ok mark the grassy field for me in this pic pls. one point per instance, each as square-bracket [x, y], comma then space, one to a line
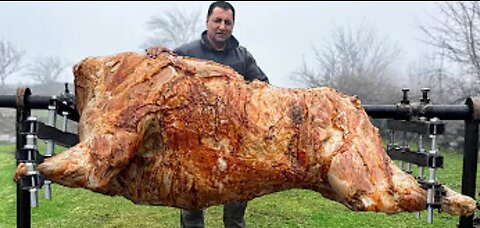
[294, 208]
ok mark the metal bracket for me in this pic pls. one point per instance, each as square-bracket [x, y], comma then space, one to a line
[418, 158]
[416, 126]
[44, 131]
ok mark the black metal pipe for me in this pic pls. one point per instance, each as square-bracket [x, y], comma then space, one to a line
[444, 112]
[37, 102]
[8, 101]
[33, 102]
[23, 196]
[470, 157]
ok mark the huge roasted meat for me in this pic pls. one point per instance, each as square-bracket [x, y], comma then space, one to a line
[189, 133]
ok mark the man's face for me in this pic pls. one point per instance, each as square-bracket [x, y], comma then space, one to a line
[220, 25]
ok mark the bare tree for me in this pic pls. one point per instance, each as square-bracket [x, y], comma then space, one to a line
[457, 31]
[355, 62]
[428, 72]
[173, 28]
[10, 58]
[46, 70]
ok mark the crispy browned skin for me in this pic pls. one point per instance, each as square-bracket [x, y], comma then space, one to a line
[189, 133]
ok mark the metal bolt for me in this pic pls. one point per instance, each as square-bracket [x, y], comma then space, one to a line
[405, 96]
[425, 98]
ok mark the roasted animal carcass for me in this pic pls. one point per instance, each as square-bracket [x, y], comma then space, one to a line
[190, 133]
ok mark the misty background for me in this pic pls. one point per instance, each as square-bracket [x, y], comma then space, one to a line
[368, 49]
[278, 34]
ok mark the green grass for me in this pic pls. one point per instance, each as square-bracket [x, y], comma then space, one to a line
[294, 208]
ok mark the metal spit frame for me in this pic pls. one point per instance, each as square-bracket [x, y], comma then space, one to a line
[23, 102]
[26, 129]
[469, 112]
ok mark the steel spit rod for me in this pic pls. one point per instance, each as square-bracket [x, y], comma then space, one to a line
[399, 111]
[443, 112]
[39, 102]
[34, 102]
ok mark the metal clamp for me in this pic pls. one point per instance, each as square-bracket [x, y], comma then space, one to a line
[50, 149]
[32, 181]
[432, 180]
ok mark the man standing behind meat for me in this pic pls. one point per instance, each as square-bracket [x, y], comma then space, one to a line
[218, 44]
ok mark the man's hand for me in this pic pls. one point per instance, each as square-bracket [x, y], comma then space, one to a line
[153, 52]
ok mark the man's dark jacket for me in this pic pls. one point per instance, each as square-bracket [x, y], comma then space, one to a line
[234, 55]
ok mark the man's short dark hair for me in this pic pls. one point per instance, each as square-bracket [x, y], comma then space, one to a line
[222, 4]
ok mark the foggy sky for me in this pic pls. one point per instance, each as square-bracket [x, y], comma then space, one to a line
[278, 34]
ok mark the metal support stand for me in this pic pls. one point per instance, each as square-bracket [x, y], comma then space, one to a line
[470, 158]
[23, 196]
[421, 118]
[26, 150]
